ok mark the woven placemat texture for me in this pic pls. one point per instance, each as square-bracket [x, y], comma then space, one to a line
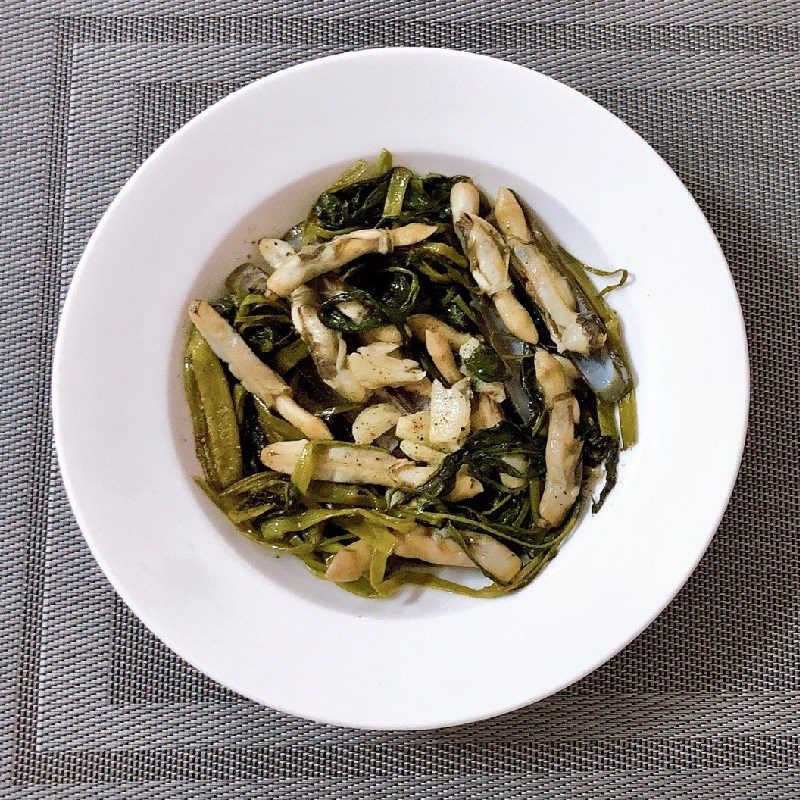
[703, 705]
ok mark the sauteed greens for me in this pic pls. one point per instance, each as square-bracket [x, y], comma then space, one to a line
[413, 377]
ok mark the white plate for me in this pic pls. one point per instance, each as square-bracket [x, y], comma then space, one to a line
[250, 166]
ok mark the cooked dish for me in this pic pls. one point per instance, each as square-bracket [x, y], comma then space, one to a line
[413, 378]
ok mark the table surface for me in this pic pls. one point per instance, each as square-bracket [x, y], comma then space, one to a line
[704, 704]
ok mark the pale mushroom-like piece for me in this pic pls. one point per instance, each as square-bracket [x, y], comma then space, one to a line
[316, 260]
[488, 257]
[547, 287]
[421, 452]
[430, 546]
[563, 451]
[350, 563]
[420, 324]
[274, 252]
[255, 376]
[343, 463]
[442, 354]
[374, 421]
[486, 413]
[449, 412]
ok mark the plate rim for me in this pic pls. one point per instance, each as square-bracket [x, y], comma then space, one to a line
[60, 435]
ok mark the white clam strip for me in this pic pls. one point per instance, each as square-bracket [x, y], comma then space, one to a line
[413, 431]
[346, 463]
[429, 545]
[414, 427]
[464, 199]
[488, 258]
[489, 261]
[426, 544]
[563, 450]
[494, 557]
[571, 372]
[343, 463]
[350, 563]
[449, 412]
[441, 353]
[315, 260]
[374, 421]
[420, 324]
[548, 289]
[255, 376]
[486, 413]
[421, 452]
[555, 382]
[326, 346]
[274, 252]
[379, 364]
[388, 334]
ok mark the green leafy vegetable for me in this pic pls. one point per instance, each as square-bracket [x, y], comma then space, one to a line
[386, 294]
[275, 429]
[455, 310]
[289, 356]
[397, 289]
[485, 365]
[280, 526]
[363, 170]
[213, 414]
[428, 199]
[483, 455]
[304, 470]
[332, 316]
[599, 449]
[356, 205]
[396, 192]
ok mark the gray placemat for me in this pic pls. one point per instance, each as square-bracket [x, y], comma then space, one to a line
[703, 705]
